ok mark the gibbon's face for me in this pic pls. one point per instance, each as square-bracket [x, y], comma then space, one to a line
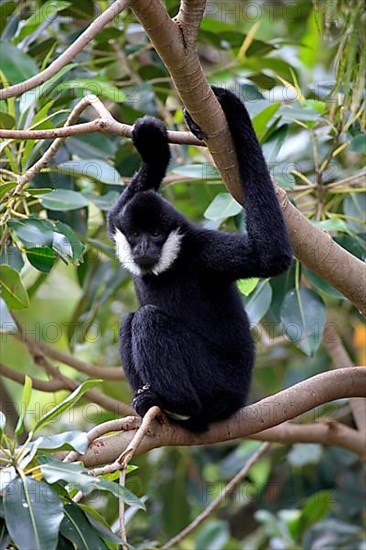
[146, 239]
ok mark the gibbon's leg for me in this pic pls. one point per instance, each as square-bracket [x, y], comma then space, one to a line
[165, 355]
[125, 333]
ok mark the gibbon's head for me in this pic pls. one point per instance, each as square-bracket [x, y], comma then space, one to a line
[147, 234]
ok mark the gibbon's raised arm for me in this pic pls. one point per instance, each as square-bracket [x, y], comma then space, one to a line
[265, 250]
[149, 135]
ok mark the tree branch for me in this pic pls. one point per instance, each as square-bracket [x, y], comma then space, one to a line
[42, 385]
[340, 358]
[254, 419]
[107, 373]
[233, 483]
[40, 359]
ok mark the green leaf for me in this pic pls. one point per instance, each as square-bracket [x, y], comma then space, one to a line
[316, 507]
[103, 202]
[67, 403]
[334, 224]
[302, 454]
[33, 232]
[12, 256]
[213, 535]
[30, 98]
[222, 207]
[77, 476]
[197, 172]
[273, 144]
[74, 439]
[303, 318]
[258, 302]
[303, 114]
[6, 121]
[323, 285]
[76, 527]
[42, 258]
[95, 169]
[246, 286]
[7, 475]
[77, 247]
[24, 403]
[358, 144]
[2, 423]
[5, 187]
[15, 64]
[12, 289]
[33, 513]
[41, 15]
[355, 207]
[99, 523]
[63, 200]
[261, 120]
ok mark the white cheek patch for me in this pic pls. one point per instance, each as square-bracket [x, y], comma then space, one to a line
[124, 253]
[169, 252]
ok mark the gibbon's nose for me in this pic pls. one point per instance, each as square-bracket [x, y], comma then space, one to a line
[145, 261]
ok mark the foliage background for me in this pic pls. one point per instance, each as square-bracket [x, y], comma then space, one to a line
[299, 68]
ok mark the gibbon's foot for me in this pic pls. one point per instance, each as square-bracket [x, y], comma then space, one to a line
[194, 128]
[143, 401]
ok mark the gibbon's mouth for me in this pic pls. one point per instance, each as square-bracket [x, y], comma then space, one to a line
[146, 262]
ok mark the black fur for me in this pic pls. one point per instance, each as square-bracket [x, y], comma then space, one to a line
[188, 349]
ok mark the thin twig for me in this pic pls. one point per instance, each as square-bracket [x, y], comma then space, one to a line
[124, 458]
[107, 373]
[234, 482]
[94, 28]
[127, 423]
[121, 512]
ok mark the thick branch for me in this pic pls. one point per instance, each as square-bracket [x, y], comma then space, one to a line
[320, 253]
[267, 413]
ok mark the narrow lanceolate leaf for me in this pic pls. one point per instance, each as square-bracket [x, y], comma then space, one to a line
[33, 513]
[303, 319]
[67, 403]
[2, 421]
[27, 390]
[12, 289]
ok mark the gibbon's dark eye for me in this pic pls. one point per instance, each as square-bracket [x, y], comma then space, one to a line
[156, 234]
[134, 234]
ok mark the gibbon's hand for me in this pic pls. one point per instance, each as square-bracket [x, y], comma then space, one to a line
[193, 127]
